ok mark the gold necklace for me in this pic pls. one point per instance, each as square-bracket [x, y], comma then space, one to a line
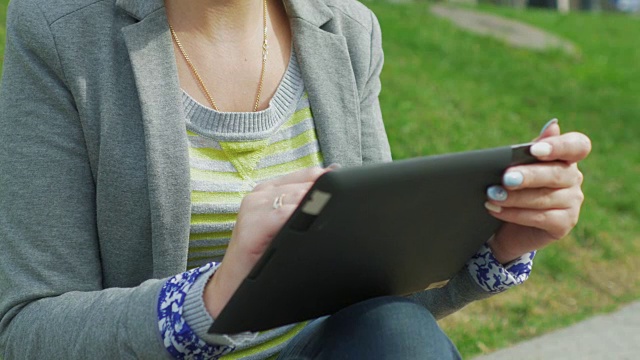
[194, 71]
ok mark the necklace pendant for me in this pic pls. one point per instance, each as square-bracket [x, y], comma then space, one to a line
[265, 50]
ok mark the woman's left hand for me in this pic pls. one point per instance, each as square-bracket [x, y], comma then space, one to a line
[540, 202]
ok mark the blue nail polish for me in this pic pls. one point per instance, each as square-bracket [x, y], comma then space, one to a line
[497, 193]
[549, 123]
[513, 178]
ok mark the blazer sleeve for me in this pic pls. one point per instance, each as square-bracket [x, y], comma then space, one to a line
[462, 288]
[375, 145]
[52, 302]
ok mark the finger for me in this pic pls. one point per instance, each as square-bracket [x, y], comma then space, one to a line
[556, 222]
[551, 128]
[540, 175]
[570, 147]
[305, 175]
[267, 197]
[538, 199]
[292, 194]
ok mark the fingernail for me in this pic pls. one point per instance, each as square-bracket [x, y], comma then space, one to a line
[497, 193]
[513, 178]
[492, 207]
[541, 149]
[549, 123]
[334, 166]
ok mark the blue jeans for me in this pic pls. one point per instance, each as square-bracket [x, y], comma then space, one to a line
[381, 328]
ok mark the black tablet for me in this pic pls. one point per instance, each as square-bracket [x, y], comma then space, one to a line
[375, 230]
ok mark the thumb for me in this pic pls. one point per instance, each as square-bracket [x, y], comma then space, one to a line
[551, 128]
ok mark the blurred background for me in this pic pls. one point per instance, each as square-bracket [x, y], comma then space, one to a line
[448, 88]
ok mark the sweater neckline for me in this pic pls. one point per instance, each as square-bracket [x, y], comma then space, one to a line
[246, 126]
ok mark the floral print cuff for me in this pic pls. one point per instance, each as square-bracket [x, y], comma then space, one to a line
[179, 339]
[494, 277]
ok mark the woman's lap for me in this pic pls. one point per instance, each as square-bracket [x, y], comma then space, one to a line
[380, 328]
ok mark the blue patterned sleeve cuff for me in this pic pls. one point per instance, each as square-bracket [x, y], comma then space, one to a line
[179, 339]
[494, 277]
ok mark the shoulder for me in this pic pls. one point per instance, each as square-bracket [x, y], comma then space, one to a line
[333, 14]
[45, 30]
[52, 10]
[353, 11]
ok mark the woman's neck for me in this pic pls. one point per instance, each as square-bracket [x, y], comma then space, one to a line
[224, 40]
[218, 21]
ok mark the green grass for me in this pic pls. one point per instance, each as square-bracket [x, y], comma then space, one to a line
[448, 90]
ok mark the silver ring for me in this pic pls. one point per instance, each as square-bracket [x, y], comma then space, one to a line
[278, 201]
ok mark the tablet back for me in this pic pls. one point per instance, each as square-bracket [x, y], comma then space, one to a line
[386, 229]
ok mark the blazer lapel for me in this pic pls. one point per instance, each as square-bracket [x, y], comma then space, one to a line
[329, 80]
[154, 69]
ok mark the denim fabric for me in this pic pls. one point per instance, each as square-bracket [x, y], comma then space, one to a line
[380, 328]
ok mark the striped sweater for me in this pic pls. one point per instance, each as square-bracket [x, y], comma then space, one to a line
[229, 154]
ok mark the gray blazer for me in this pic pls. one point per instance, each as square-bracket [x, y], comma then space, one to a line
[94, 177]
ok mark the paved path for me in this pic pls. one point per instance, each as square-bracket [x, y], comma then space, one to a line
[512, 32]
[606, 337]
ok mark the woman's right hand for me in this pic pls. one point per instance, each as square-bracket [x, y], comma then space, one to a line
[258, 223]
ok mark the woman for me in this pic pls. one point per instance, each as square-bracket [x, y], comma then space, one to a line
[117, 174]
